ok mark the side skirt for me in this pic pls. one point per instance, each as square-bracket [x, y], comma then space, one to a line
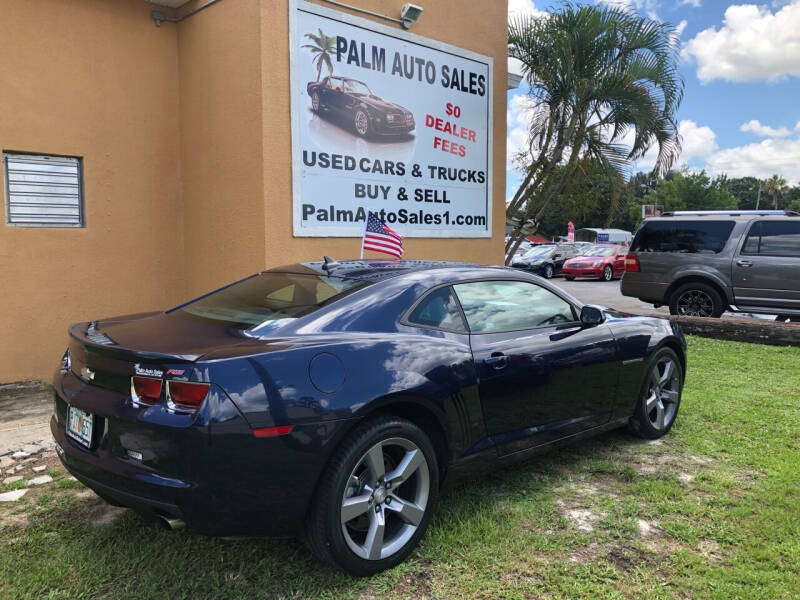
[488, 460]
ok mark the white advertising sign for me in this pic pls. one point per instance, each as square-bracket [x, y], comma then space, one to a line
[388, 122]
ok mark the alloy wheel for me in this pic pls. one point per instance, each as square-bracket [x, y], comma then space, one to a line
[608, 273]
[548, 271]
[361, 123]
[663, 393]
[695, 303]
[385, 498]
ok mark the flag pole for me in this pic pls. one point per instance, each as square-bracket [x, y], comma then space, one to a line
[364, 235]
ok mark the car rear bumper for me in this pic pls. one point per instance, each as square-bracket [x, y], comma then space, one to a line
[647, 291]
[224, 481]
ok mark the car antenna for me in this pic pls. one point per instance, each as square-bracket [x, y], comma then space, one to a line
[330, 264]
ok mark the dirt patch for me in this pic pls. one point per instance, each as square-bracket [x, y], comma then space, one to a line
[13, 522]
[627, 559]
[646, 529]
[711, 551]
[586, 554]
[414, 585]
[94, 510]
[583, 519]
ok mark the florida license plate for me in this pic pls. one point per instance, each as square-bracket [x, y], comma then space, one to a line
[80, 425]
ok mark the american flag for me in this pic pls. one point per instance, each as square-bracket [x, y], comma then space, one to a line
[378, 236]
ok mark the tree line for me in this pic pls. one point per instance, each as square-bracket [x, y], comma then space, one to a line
[591, 199]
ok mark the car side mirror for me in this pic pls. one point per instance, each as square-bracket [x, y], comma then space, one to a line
[591, 315]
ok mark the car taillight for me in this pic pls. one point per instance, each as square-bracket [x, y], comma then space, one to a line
[186, 396]
[145, 390]
[631, 263]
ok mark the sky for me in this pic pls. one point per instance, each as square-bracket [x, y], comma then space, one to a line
[741, 67]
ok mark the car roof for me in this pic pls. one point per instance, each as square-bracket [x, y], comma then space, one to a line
[375, 270]
[711, 215]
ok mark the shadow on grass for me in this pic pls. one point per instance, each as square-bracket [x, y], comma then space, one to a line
[66, 552]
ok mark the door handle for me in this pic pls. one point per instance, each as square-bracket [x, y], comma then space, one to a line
[497, 360]
[744, 263]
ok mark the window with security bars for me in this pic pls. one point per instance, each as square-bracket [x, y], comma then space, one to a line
[42, 190]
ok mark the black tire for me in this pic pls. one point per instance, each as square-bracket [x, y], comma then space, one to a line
[696, 299]
[568, 278]
[644, 422]
[608, 273]
[548, 271]
[324, 531]
[361, 122]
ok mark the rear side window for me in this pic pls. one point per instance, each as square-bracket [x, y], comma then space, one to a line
[270, 299]
[439, 310]
[773, 238]
[685, 237]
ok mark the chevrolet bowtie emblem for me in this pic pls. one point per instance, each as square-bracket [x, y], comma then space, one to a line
[87, 374]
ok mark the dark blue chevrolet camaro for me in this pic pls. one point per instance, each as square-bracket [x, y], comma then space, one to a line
[332, 398]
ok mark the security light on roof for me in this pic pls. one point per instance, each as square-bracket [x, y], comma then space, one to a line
[409, 14]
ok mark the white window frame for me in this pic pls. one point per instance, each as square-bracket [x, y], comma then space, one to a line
[70, 189]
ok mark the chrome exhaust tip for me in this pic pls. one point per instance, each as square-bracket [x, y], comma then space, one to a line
[171, 523]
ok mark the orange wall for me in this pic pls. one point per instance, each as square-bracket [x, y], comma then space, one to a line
[184, 130]
[96, 79]
[220, 81]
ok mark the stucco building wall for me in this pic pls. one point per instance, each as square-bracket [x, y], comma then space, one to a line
[184, 131]
[94, 79]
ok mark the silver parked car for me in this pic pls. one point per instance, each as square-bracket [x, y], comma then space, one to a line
[706, 262]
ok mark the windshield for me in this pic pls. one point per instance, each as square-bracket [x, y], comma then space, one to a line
[352, 86]
[601, 252]
[270, 299]
[539, 251]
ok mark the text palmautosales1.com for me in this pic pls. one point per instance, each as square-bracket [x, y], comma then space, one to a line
[331, 214]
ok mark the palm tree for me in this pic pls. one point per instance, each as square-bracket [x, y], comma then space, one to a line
[604, 84]
[322, 47]
[775, 186]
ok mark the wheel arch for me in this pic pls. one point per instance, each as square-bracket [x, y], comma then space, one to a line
[676, 346]
[719, 287]
[423, 415]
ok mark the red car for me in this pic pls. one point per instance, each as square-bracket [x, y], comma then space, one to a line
[601, 262]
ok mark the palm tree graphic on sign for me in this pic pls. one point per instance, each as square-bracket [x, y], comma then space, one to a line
[322, 48]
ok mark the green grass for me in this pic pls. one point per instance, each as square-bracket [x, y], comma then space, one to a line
[710, 511]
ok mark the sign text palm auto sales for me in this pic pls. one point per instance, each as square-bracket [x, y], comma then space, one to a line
[394, 124]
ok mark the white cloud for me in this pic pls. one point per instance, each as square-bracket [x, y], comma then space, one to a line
[518, 8]
[699, 141]
[753, 44]
[648, 7]
[692, 3]
[760, 160]
[518, 118]
[755, 126]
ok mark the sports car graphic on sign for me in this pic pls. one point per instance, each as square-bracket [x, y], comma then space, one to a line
[353, 102]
